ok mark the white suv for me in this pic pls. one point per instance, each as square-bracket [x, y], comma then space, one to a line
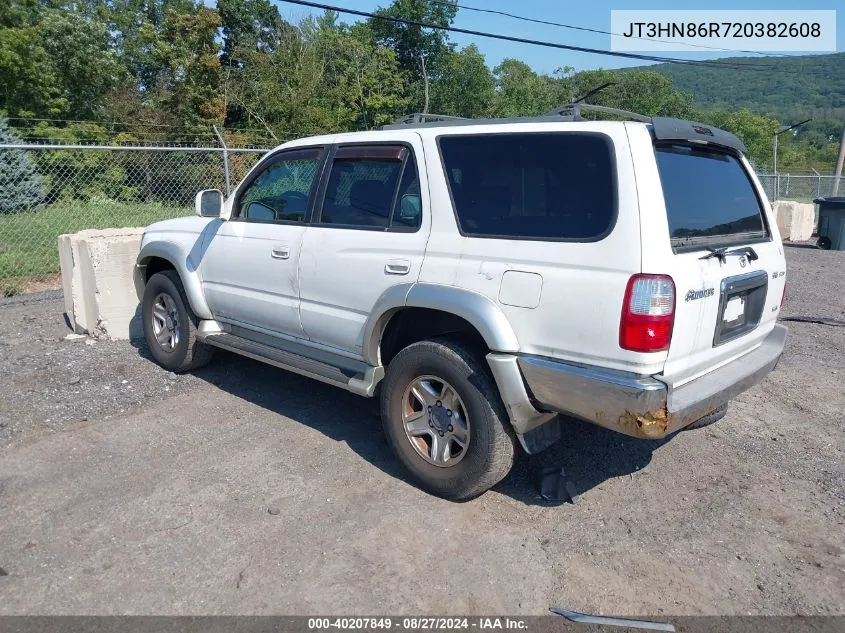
[483, 277]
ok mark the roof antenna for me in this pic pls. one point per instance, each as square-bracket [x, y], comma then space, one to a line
[573, 110]
[595, 90]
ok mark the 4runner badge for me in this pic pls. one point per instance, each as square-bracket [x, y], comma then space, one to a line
[692, 295]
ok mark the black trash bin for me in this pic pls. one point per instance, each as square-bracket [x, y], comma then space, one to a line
[831, 223]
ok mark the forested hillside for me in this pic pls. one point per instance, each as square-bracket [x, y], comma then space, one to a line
[791, 88]
[167, 70]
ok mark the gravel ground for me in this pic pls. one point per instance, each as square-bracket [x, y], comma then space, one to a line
[246, 489]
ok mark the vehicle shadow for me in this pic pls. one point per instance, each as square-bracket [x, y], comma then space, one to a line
[586, 456]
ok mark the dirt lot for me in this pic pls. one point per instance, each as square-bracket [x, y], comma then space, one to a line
[246, 489]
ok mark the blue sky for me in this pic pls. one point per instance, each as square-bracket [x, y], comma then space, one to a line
[590, 13]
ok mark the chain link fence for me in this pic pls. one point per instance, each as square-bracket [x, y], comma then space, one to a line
[48, 190]
[802, 187]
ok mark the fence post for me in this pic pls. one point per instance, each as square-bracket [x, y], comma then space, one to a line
[225, 157]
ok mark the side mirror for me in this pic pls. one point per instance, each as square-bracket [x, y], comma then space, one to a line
[410, 207]
[209, 203]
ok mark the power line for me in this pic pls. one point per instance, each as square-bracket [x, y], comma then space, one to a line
[521, 40]
[587, 29]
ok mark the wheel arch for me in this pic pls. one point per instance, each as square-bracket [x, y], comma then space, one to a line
[470, 312]
[157, 256]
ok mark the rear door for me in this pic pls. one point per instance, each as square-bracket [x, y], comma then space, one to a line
[707, 223]
[369, 233]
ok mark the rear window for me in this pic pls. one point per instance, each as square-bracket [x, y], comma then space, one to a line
[709, 197]
[558, 186]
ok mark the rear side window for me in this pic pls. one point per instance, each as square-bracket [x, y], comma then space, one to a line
[559, 186]
[709, 197]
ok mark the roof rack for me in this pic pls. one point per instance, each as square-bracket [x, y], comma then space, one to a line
[663, 128]
[423, 117]
[569, 112]
[572, 111]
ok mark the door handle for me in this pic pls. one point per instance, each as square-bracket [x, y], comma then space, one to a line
[397, 267]
[280, 252]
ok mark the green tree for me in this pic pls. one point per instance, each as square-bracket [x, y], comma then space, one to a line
[17, 13]
[422, 53]
[85, 68]
[248, 23]
[520, 91]
[363, 82]
[186, 54]
[323, 77]
[467, 87]
[20, 184]
[755, 130]
[170, 51]
[416, 46]
[644, 92]
[280, 90]
[29, 83]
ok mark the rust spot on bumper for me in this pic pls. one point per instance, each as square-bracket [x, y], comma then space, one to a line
[652, 424]
[659, 422]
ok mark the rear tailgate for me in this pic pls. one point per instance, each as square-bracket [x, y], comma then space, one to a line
[707, 223]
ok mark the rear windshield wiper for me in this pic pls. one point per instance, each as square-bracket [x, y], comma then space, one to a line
[722, 253]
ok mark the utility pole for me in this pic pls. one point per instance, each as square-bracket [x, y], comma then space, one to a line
[775, 155]
[775, 144]
[225, 157]
[837, 174]
[425, 84]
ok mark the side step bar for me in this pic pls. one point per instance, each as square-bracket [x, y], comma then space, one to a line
[354, 376]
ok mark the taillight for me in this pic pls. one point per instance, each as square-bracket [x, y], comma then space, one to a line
[648, 313]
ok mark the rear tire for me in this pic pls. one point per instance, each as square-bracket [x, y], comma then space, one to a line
[711, 418]
[170, 326]
[478, 443]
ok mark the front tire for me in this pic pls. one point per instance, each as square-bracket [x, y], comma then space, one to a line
[170, 325]
[444, 420]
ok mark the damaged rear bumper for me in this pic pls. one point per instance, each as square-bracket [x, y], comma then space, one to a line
[645, 406]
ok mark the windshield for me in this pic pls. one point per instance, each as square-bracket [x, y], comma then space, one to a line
[709, 197]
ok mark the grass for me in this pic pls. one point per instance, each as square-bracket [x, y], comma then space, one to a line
[28, 240]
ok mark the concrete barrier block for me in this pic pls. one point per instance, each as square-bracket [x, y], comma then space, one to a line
[97, 270]
[795, 220]
[66, 264]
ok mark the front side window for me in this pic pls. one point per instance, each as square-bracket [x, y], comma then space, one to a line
[550, 186]
[709, 197]
[372, 187]
[282, 192]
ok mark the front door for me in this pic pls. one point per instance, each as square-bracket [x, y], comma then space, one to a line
[250, 268]
[369, 234]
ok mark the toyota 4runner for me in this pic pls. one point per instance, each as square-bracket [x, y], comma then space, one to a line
[483, 277]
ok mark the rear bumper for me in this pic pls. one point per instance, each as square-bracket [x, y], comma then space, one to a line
[645, 406]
